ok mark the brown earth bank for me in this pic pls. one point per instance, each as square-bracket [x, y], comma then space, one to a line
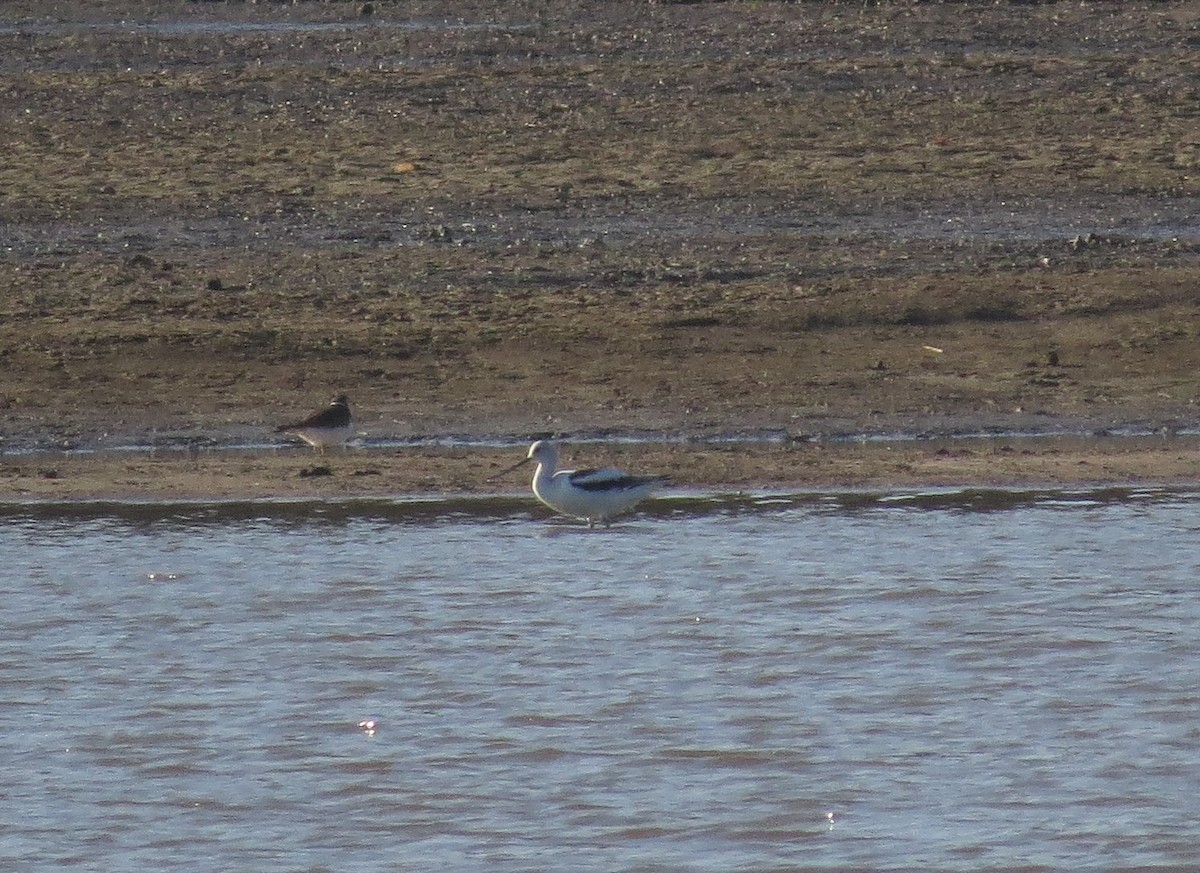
[799, 220]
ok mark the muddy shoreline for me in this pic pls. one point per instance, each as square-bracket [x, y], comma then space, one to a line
[781, 468]
[672, 220]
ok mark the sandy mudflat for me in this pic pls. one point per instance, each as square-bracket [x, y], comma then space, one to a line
[682, 220]
[446, 471]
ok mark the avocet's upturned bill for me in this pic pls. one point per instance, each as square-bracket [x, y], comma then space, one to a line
[594, 495]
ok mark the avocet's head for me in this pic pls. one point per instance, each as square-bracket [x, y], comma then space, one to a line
[544, 452]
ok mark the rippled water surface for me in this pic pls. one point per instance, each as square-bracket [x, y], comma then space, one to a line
[953, 681]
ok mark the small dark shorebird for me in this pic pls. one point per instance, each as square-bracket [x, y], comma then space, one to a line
[331, 426]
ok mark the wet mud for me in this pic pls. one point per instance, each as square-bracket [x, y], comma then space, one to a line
[691, 220]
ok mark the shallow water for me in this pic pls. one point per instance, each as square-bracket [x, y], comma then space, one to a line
[954, 680]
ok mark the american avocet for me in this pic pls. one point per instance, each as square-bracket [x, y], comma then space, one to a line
[330, 426]
[595, 495]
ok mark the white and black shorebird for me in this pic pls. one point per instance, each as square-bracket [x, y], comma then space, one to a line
[330, 426]
[594, 495]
